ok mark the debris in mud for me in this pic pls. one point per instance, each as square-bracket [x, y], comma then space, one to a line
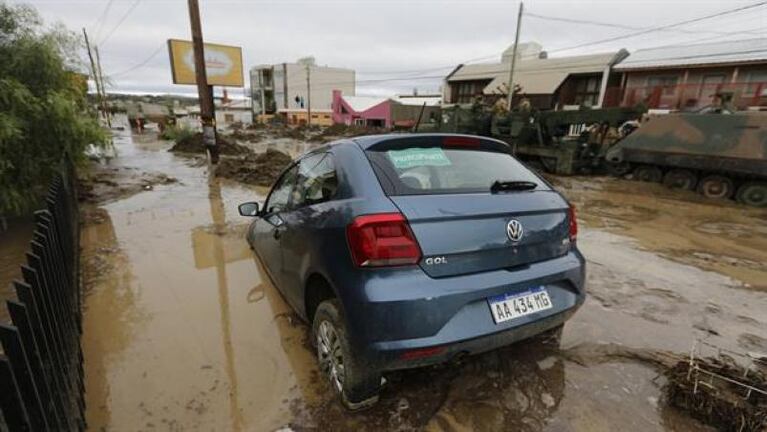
[106, 183]
[260, 170]
[343, 131]
[720, 393]
[193, 144]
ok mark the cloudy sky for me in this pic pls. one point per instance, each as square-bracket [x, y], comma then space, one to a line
[394, 45]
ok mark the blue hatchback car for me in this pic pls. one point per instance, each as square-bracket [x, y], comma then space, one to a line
[407, 250]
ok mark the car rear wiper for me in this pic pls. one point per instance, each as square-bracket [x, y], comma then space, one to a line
[512, 185]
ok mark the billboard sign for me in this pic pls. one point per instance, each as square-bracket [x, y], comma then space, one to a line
[223, 63]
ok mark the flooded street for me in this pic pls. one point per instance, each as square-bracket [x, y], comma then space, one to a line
[183, 330]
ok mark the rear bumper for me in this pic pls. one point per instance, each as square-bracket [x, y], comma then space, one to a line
[389, 357]
[391, 314]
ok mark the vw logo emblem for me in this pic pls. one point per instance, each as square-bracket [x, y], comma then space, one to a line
[514, 230]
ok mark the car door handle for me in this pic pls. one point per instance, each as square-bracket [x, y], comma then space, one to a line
[277, 233]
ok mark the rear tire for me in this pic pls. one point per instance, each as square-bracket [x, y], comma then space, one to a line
[716, 187]
[753, 194]
[680, 179]
[618, 169]
[648, 173]
[356, 382]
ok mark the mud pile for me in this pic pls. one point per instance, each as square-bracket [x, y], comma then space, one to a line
[343, 131]
[260, 170]
[715, 398]
[193, 144]
[104, 183]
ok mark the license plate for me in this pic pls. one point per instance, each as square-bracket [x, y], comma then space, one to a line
[510, 306]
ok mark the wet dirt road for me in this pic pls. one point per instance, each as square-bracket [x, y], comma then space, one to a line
[183, 331]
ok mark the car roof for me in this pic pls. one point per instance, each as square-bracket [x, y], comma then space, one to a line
[367, 141]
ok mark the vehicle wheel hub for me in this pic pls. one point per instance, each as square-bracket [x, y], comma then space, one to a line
[330, 354]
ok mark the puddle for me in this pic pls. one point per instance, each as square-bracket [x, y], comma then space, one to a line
[183, 330]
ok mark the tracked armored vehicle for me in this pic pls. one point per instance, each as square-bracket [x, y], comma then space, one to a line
[720, 155]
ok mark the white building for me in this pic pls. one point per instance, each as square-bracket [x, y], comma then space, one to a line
[283, 86]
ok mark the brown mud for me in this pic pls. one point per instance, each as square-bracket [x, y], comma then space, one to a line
[15, 234]
[184, 331]
[259, 170]
[194, 144]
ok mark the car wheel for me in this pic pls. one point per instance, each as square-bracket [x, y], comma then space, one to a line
[716, 186]
[753, 194]
[680, 179]
[356, 382]
[648, 173]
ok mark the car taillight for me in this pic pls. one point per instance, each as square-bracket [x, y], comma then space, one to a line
[573, 223]
[383, 239]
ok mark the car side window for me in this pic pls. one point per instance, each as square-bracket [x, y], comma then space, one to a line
[317, 181]
[279, 198]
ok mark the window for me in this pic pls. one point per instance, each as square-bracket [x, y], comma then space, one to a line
[667, 82]
[359, 122]
[416, 170]
[317, 181]
[587, 91]
[754, 80]
[228, 118]
[465, 91]
[280, 196]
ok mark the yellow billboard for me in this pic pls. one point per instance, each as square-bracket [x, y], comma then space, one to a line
[223, 63]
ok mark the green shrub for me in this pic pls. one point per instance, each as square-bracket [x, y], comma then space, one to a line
[43, 109]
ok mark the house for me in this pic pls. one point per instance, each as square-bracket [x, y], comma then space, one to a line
[283, 87]
[547, 82]
[690, 76]
[320, 117]
[384, 112]
[227, 111]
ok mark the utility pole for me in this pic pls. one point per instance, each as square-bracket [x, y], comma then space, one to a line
[308, 94]
[94, 73]
[207, 113]
[514, 55]
[104, 106]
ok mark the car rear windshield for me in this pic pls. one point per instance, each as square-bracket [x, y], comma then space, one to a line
[444, 165]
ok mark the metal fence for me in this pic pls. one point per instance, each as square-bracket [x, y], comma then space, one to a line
[41, 367]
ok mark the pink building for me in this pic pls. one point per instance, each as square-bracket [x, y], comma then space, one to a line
[400, 112]
[361, 110]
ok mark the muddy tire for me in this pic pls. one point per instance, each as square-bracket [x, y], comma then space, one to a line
[648, 173]
[680, 179]
[618, 169]
[716, 187]
[356, 383]
[753, 194]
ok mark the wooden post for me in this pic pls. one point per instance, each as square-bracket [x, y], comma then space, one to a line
[205, 92]
[104, 107]
[514, 56]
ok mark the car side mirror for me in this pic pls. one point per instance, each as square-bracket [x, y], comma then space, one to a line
[249, 209]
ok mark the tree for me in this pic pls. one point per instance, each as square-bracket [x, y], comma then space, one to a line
[44, 113]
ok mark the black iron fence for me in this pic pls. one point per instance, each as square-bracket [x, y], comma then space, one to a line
[41, 366]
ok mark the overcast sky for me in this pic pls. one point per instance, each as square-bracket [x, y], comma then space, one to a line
[381, 40]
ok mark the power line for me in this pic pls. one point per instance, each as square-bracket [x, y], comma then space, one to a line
[100, 20]
[119, 23]
[663, 27]
[626, 27]
[142, 63]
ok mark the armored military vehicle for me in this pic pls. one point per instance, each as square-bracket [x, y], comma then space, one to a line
[559, 142]
[564, 142]
[721, 155]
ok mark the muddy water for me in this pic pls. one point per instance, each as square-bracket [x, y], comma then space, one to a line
[184, 332]
[15, 235]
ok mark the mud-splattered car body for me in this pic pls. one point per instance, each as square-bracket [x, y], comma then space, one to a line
[468, 270]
